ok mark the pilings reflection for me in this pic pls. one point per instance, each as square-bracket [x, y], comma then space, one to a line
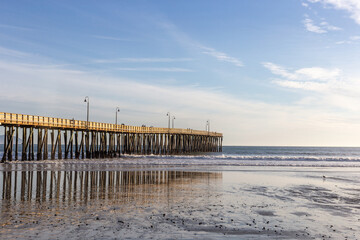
[73, 186]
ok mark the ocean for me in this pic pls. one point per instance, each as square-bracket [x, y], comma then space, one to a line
[247, 156]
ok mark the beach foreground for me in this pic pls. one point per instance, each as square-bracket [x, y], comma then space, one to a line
[52, 200]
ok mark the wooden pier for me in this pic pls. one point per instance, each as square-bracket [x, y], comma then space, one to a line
[45, 138]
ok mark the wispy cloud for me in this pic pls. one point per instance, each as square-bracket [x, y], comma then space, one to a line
[15, 27]
[304, 74]
[326, 25]
[311, 27]
[323, 27]
[143, 60]
[13, 53]
[355, 38]
[223, 57]
[352, 39]
[304, 4]
[112, 38]
[324, 87]
[351, 6]
[186, 40]
[153, 69]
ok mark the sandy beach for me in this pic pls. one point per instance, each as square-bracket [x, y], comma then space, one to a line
[59, 201]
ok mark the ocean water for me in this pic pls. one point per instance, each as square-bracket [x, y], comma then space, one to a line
[245, 156]
[261, 156]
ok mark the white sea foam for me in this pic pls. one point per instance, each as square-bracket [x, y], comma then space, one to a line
[239, 156]
[191, 160]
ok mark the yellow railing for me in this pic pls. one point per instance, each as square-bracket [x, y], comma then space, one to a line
[50, 122]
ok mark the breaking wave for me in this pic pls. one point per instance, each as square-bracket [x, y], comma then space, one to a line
[239, 156]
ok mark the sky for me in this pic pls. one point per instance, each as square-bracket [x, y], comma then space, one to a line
[264, 73]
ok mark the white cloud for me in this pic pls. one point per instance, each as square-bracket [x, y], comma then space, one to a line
[351, 40]
[15, 27]
[184, 39]
[312, 86]
[154, 69]
[329, 27]
[311, 27]
[111, 38]
[317, 73]
[323, 27]
[143, 60]
[351, 6]
[12, 53]
[222, 56]
[304, 74]
[324, 87]
[305, 4]
[279, 70]
[355, 38]
[343, 42]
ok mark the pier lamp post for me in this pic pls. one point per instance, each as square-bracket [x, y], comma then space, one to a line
[173, 121]
[168, 114]
[87, 100]
[208, 125]
[116, 111]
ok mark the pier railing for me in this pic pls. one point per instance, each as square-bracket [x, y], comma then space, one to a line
[71, 124]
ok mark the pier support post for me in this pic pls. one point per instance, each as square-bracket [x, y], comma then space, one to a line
[87, 144]
[24, 144]
[45, 144]
[53, 145]
[10, 142]
[66, 144]
[39, 144]
[81, 148]
[16, 143]
[76, 146]
[58, 140]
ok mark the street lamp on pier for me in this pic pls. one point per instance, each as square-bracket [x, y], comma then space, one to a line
[173, 120]
[116, 112]
[168, 114]
[87, 100]
[208, 125]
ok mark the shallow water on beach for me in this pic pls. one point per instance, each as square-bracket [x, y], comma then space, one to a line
[104, 200]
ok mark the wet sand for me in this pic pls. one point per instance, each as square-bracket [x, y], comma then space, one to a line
[60, 201]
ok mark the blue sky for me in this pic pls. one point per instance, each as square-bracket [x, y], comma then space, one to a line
[282, 72]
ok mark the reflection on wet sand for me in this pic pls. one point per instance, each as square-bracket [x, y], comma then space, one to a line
[163, 204]
[67, 186]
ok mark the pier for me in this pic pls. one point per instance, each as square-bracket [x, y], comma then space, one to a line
[42, 138]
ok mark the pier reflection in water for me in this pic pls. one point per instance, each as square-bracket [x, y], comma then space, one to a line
[98, 204]
[82, 186]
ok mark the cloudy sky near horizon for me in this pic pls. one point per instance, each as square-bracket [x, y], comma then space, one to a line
[273, 73]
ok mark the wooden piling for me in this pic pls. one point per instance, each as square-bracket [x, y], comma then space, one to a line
[76, 145]
[24, 144]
